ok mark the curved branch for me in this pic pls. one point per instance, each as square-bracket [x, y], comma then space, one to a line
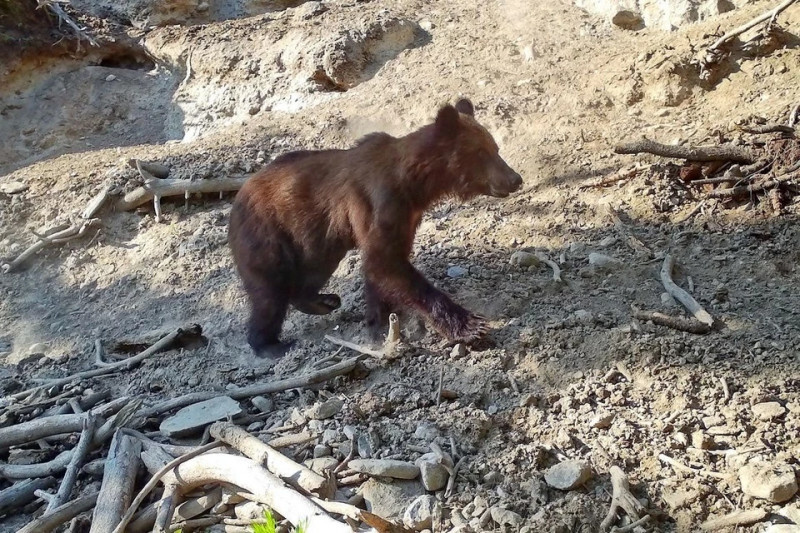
[705, 154]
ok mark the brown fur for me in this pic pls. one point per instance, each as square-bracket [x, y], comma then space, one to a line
[292, 223]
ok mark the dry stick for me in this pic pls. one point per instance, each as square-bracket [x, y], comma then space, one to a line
[633, 525]
[704, 154]
[556, 269]
[683, 468]
[96, 203]
[621, 497]
[172, 187]
[754, 22]
[451, 482]
[75, 463]
[137, 501]
[793, 115]
[738, 518]
[441, 382]
[61, 14]
[355, 347]
[690, 325]
[760, 129]
[681, 295]
[263, 487]
[22, 493]
[72, 232]
[295, 474]
[318, 376]
[166, 508]
[755, 187]
[119, 480]
[130, 362]
[68, 511]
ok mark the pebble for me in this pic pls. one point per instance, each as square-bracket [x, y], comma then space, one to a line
[426, 24]
[667, 300]
[265, 405]
[627, 20]
[111, 77]
[568, 475]
[608, 241]
[419, 515]
[434, 476]
[38, 348]
[456, 272]
[602, 261]
[768, 410]
[13, 187]
[385, 467]
[325, 410]
[504, 517]
[458, 351]
[195, 417]
[390, 500]
[775, 482]
[426, 431]
[321, 465]
[602, 420]
[524, 259]
[320, 450]
[702, 441]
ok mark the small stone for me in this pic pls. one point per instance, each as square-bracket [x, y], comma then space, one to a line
[767, 411]
[426, 24]
[193, 381]
[602, 261]
[677, 498]
[385, 468]
[265, 405]
[608, 241]
[456, 272]
[390, 500]
[13, 187]
[111, 77]
[197, 416]
[38, 348]
[419, 515]
[249, 511]
[524, 259]
[434, 476]
[18, 456]
[582, 316]
[330, 436]
[568, 475]
[702, 441]
[667, 300]
[364, 446]
[602, 420]
[320, 450]
[255, 426]
[325, 410]
[426, 431]
[458, 351]
[493, 478]
[322, 465]
[504, 517]
[627, 20]
[577, 248]
[528, 400]
[775, 482]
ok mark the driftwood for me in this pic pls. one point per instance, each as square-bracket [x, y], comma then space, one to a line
[677, 465]
[761, 129]
[553, 265]
[22, 493]
[621, 498]
[119, 478]
[162, 344]
[75, 463]
[681, 295]
[66, 512]
[297, 475]
[158, 188]
[690, 325]
[72, 232]
[703, 154]
[738, 518]
[96, 203]
[755, 187]
[260, 389]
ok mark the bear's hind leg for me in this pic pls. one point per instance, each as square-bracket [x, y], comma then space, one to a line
[268, 312]
[377, 312]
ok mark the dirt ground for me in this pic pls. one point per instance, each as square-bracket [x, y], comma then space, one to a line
[225, 91]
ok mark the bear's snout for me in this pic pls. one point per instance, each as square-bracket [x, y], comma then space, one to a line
[505, 182]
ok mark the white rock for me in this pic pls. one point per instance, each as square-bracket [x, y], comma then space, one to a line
[38, 348]
[602, 420]
[768, 410]
[775, 482]
[456, 272]
[195, 417]
[568, 475]
[602, 261]
[504, 517]
[111, 77]
[434, 476]
[524, 259]
[385, 468]
[419, 514]
[325, 410]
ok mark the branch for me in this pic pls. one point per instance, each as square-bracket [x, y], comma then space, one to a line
[689, 325]
[738, 518]
[621, 498]
[53, 6]
[681, 295]
[705, 154]
[68, 511]
[20, 494]
[73, 232]
[173, 187]
[771, 14]
[75, 463]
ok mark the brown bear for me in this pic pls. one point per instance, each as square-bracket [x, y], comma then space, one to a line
[293, 222]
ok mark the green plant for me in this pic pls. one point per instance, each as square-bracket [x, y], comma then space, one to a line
[269, 525]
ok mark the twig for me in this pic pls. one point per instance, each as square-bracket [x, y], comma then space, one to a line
[173, 187]
[632, 526]
[54, 6]
[683, 468]
[621, 175]
[696, 209]
[72, 232]
[161, 344]
[621, 498]
[355, 347]
[793, 115]
[96, 203]
[690, 325]
[259, 389]
[754, 187]
[166, 508]
[441, 382]
[771, 14]
[681, 295]
[75, 463]
[98, 354]
[553, 265]
[703, 154]
[22, 493]
[68, 511]
[738, 518]
[760, 129]
[726, 393]
[451, 481]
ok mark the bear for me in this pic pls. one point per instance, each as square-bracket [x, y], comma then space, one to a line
[294, 221]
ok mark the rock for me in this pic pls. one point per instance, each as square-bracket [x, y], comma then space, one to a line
[628, 20]
[702, 441]
[419, 514]
[667, 300]
[111, 77]
[504, 517]
[17, 456]
[456, 271]
[385, 467]
[782, 528]
[320, 450]
[602, 420]
[602, 261]
[13, 187]
[426, 431]
[325, 410]
[426, 24]
[582, 316]
[390, 500]
[677, 498]
[434, 476]
[458, 351]
[568, 475]
[768, 410]
[493, 478]
[195, 417]
[524, 259]
[38, 348]
[265, 405]
[322, 465]
[791, 512]
[250, 511]
[775, 482]
[608, 241]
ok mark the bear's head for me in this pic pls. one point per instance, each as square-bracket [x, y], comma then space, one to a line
[473, 158]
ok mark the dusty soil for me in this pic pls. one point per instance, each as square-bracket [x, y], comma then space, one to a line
[558, 88]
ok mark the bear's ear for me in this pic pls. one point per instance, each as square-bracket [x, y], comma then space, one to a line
[465, 106]
[447, 121]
